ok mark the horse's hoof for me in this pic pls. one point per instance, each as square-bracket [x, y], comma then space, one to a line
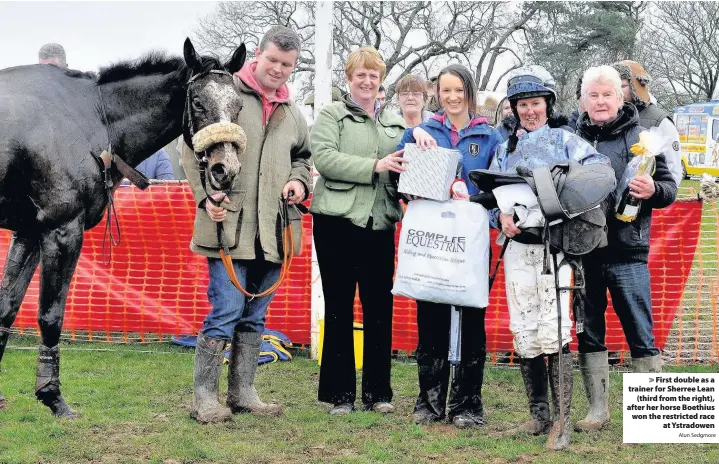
[62, 410]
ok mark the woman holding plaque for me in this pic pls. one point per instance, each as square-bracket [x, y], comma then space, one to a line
[355, 208]
[456, 128]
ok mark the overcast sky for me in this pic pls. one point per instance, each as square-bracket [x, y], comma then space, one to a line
[95, 34]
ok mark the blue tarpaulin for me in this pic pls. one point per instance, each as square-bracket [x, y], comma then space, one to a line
[274, 346]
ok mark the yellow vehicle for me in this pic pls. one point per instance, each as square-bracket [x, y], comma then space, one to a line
[698, 126]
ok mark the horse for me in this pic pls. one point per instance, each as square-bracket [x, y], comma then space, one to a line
[65, 137]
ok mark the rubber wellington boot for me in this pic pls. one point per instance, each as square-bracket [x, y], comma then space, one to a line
[595, 373]
[559, 438]
[648, 364]
[241, 393]
[209, 353]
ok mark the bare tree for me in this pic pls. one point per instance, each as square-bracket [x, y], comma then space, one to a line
[680, 49]
[411, 36]
[568, 37]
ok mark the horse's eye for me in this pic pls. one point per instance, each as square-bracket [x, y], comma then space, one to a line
[197, 106]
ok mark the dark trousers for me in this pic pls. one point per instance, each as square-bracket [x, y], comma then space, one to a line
[629, 285]
[433, 325]
[349, 256]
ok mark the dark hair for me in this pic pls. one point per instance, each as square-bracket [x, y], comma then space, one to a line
[513, 139]
[283, 37]
[470, 90]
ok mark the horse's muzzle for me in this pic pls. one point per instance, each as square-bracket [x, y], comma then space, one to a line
[220, 177]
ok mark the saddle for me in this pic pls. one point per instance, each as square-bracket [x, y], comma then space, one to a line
[570, 196]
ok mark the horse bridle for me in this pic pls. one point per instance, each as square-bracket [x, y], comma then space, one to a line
[287, 241]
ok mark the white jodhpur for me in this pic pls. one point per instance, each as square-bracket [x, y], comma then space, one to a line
[532, 300]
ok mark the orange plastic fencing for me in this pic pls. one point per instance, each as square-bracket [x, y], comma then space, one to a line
[156, 287]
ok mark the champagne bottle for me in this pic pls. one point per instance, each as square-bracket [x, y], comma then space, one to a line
[629, 206]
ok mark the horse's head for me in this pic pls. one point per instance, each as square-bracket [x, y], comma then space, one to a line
[210, 120]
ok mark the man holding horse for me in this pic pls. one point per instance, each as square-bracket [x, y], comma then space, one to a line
[275, 176]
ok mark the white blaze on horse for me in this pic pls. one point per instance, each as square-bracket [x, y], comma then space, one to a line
[56, 182]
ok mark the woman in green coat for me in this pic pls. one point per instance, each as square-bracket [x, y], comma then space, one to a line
[355, 208]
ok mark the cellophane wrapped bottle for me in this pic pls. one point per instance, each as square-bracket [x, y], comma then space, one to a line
[644, 162]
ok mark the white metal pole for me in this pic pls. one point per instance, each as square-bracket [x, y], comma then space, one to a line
[323, 97]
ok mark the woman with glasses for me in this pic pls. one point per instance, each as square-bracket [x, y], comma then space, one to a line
[412, 97]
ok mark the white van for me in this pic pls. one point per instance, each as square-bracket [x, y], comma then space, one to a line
[698, 126]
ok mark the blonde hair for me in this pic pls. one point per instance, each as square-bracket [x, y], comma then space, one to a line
[365, 57]
[602, 75]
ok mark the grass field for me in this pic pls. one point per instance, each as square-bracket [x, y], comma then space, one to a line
[134, 402]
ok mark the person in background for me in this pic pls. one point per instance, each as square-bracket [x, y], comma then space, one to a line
[158, 166]
[458, 127]
[432, 99]
[612, 126]
[489, 109]
[505, 119]
[52, 53]
[412, 97]
[355, 208]
[382, 95]
[580, 107]
[635, 90]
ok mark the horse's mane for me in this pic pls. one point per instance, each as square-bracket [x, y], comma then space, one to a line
[80, 74]
[150, 64]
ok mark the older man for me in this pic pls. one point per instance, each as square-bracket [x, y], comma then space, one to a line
[635, 89]
[276, 164]
[52, 53]
[613, 126]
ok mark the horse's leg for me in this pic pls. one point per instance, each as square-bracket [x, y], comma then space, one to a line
[60, 252]
[22, 259]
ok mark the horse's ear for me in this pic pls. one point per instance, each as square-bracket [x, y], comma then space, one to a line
[192, 59]
[237, 60]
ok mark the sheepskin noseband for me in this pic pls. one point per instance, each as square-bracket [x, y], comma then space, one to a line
[220, 132]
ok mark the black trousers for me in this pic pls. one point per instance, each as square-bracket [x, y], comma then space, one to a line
[349, 256]
[433, 325]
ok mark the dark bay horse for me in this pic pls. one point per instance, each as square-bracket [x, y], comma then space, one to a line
[54, 122]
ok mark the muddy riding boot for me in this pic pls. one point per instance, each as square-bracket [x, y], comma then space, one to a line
[241, 393]
[648, 364]
[465, 397]
[47, 382]
[4, 334]
[433, 373]
[595, 373]
[536, 384]
[209, 353]
[556, 440]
